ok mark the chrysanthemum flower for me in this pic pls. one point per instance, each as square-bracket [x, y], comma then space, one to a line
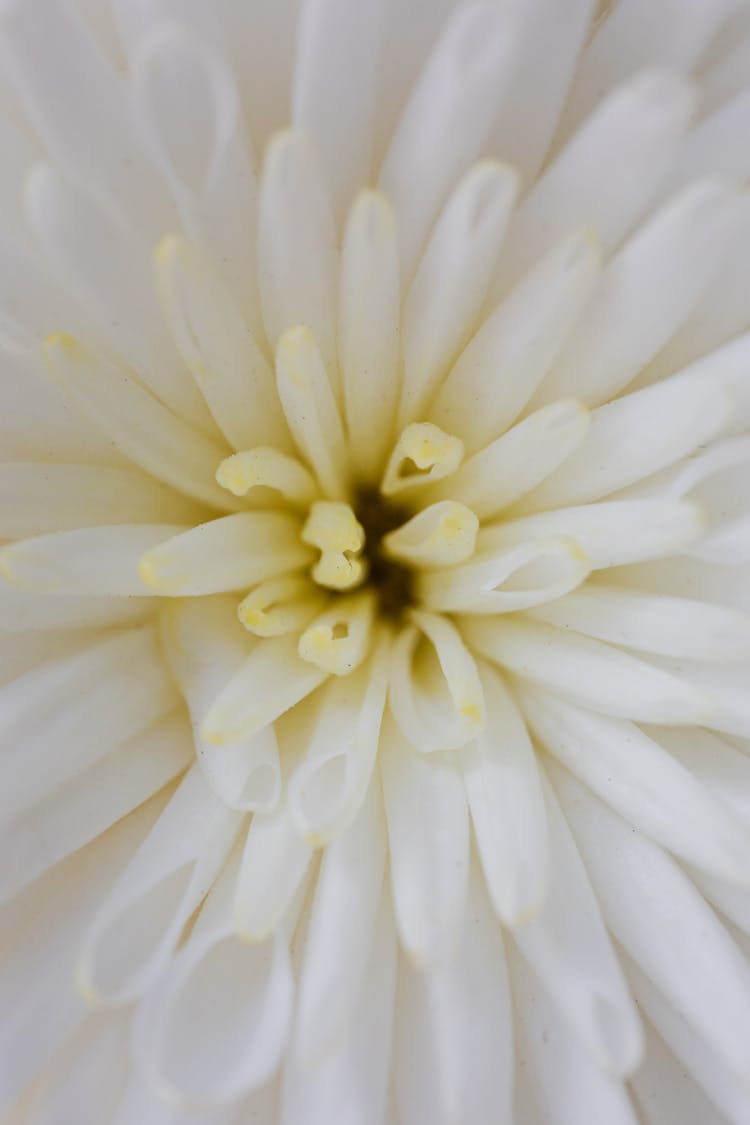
[374, 419]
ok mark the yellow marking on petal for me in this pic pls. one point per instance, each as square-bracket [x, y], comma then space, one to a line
[280, 605]
[265, 466]
[294, 347]
[442, 535]
[151, 572]
[339, 640]
[64, 342]
[334, 529]
[423, 454]
[336, 571]
[333, 526]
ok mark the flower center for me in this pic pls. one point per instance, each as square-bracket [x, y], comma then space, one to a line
[392, 581]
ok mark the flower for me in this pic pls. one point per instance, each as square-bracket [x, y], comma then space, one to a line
[374, 582]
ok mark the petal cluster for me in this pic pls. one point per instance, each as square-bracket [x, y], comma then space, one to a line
[374, 428]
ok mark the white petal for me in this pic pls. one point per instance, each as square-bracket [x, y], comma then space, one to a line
[328, 788]
[186, 107]
[369, 316]
[724, 683]
[85, 806]
[107, 267]
[61, 497]
[90, 703]
[138, 424]
[516, 462]
[100, 1047]
[79, 105]
[311, 410]
[428, 836]
[340, 638]
[550, 41]
[205, 644]
[41, 1006]
[645, 897]
[567, 946]
[721, 314]
[636, 34]
[338, 49]
[272, 679]
[507, 808]
[239, 1048]
[274, 864]
[139, 922]
[664, 625]
[444, 300]
[590, 673]
[341, 931]
[280, 605]
[644, 783]
[297, 254]
[499, 370]
[224, 554]
[443, 534]
[30, 650]
[722, 769]
[728, 366]
[446, 120]
[31, 298]
[25, 612]
[627, 440]
[351, 1083]
[569, 1086]
[506, 581]
[437, 700]
[647, 291]
[454, 1040]
[725, 1090]
[606, 175]
[38, 418]
[609, 534]
[143, 1104]
[216, 343]
[90, 560]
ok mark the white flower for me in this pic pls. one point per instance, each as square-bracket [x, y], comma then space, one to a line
[375, 427]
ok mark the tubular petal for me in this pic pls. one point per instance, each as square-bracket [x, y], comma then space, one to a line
[447, 119]
[311, 409]
[327, 789]
[507, 808]
[590, 673]
[567, 946]
[218, 347]
[251, 989]
[428, 838]
[642, 893]
[501, 367]
[145, 431]
[341, 932]
[272, 679]
[435, 693]
[444, 300]
[224, 554]
[506, 581]
[645, 784]
[205, 646]
[297, 255]
[369, 324]
[137, 925]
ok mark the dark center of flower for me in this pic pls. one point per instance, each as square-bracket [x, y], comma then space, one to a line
[392, 581]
